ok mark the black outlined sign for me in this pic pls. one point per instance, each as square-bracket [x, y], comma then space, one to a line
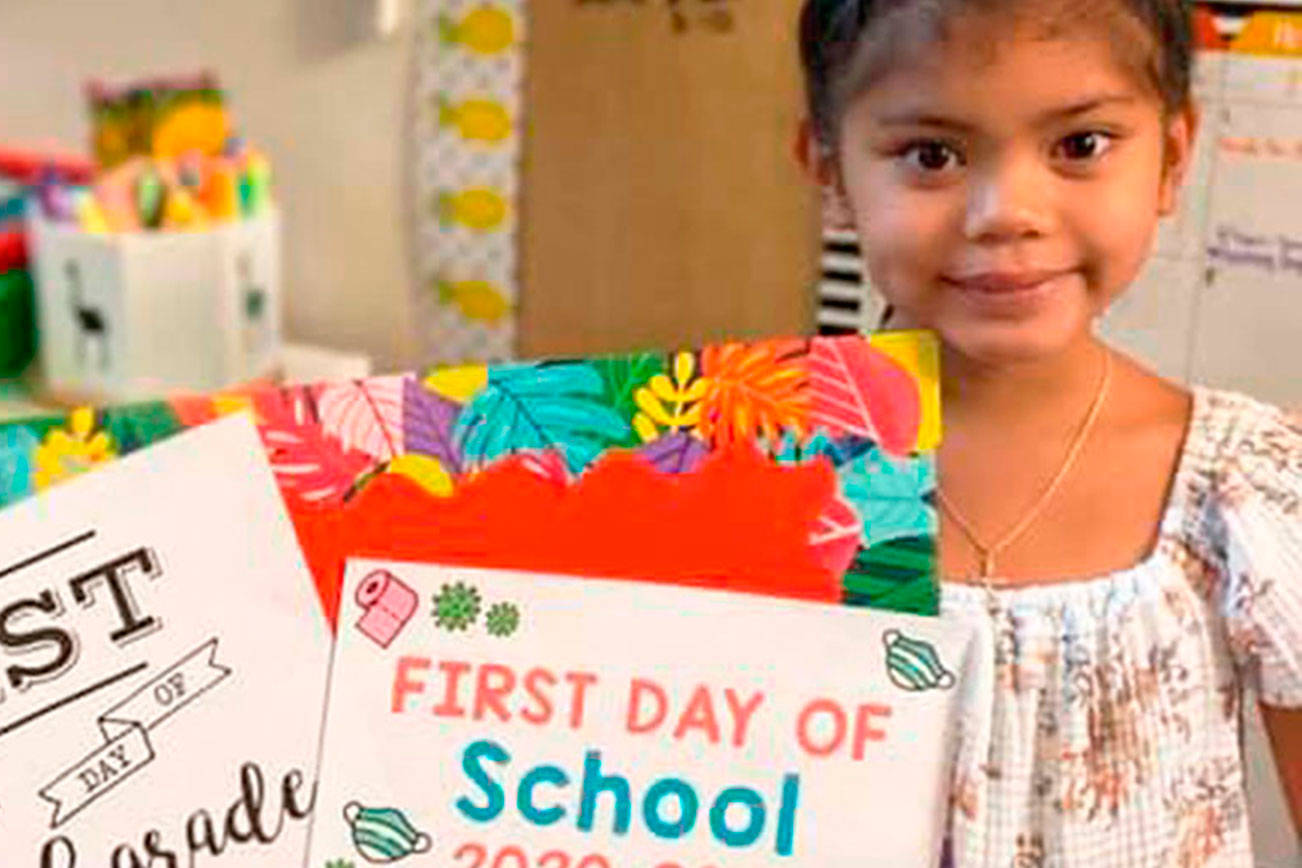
[126, 728]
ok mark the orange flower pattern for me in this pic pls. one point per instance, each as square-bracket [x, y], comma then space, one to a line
[755, 389]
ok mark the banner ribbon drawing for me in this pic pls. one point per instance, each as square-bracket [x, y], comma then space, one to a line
[126, 727]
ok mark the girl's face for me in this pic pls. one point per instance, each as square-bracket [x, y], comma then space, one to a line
[1006, 189]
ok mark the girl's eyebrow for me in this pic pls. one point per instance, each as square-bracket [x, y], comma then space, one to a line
[910, 117]
[1086, 106]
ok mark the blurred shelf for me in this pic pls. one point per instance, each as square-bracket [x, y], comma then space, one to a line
[16, 401]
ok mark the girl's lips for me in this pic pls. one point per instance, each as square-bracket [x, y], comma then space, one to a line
[1003, 282]
[1006, 295]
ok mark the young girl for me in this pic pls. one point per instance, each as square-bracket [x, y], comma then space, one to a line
[1130, 550]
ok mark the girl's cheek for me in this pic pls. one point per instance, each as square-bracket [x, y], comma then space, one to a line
[1118, 224]
[917, 226]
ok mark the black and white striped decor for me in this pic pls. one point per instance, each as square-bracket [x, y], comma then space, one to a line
[845, 304]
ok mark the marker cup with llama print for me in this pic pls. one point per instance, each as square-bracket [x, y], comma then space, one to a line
[130, 316]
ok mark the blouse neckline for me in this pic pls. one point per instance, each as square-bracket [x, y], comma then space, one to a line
[1173, 518]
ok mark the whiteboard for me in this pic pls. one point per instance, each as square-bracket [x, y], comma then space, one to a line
[1220, 302]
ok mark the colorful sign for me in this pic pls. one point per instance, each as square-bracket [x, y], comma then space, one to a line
[514, 719]
[162, 665]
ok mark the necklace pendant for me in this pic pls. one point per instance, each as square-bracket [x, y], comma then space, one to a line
[987, 572]
[992, 602]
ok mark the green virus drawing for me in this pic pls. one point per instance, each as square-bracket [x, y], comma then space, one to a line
[502, 619]
[456, 606]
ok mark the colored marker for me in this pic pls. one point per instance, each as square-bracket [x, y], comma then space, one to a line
[89, 215]
[182, 211]
[223, 201]
[257, 181]
[150, 195]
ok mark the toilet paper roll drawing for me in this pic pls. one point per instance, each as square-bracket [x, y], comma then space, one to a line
[388, 605]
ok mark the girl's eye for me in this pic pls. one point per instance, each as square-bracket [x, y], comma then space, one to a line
[930, 156]
[1083, 147]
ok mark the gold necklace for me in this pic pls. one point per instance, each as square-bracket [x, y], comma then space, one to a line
[987, 553]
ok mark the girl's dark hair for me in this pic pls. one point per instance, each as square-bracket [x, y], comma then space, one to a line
[834, 34]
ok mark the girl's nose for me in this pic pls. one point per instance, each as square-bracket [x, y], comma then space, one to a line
[1008, 201]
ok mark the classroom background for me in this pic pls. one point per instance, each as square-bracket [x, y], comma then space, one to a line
[422, 182]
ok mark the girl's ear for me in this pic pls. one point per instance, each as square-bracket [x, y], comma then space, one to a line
[819, 165]
[812, 155]
[1181, 131]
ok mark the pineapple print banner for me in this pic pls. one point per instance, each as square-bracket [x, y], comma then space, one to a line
[470, 64]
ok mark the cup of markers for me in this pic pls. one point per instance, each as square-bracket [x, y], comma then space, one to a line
[192, 191]
[160, 274]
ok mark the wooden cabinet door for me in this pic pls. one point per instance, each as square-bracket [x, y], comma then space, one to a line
[662, 204]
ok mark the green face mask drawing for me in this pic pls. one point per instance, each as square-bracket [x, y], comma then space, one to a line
[384, 835]
[914, 665]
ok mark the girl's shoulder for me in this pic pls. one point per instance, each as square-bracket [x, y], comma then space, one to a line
[1248, 490]
[1245, 449]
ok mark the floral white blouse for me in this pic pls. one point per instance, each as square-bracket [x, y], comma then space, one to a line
[1105, 729]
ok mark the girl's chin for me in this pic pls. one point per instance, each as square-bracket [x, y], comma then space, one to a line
[1011, 342]
[1001, 339]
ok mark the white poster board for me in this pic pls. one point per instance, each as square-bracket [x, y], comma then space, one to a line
[485, 718]
[162, 664]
